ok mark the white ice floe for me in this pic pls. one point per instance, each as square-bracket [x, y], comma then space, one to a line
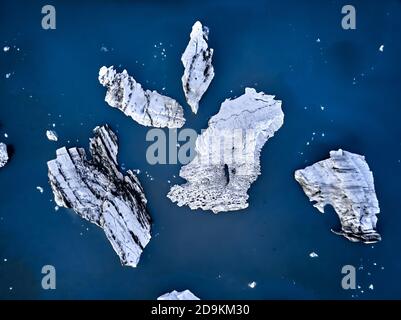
[51, 135]
[175, 295]
[313, 255]
[3, 155]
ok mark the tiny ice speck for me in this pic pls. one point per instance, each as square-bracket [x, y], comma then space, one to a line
[252, 284]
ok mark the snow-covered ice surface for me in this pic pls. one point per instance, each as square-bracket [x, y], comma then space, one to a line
[146, 107]
[227, 154]
[345, 182]
[97, 191]
[175, 295]
[197, 61]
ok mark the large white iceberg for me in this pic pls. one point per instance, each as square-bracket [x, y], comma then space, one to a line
[227, 154]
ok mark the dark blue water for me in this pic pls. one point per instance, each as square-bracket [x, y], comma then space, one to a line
[342, 88]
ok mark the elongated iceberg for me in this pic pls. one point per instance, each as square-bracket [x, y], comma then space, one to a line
[227, 154]
[97, 191]
[146, 107]
[197, 61]
[345, 182]
[175, 295]
[3, 154]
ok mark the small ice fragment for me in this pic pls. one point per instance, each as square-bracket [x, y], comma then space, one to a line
[6, 135]
[8, 75]
[40, 189]
[5, 49]
[318, 40]
[371, 287]
[56, 208]
[321, 107]
[52, 135]
[252, 284]
[381, 49]
[5, 259]
[313, 255]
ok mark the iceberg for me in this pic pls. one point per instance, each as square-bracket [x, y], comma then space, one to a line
[197, 61]
[345, 182]
[227, 154]
[148, 108]
[98, 192]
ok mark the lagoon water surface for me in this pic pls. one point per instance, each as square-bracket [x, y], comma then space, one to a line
[338, 90]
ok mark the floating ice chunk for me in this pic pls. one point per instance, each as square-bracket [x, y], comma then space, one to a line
[98, 192]
[175, 295]
[146, 107]
[51, 135]
[3, 154]
[345, 182]
[197, 61]
[227, 157]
